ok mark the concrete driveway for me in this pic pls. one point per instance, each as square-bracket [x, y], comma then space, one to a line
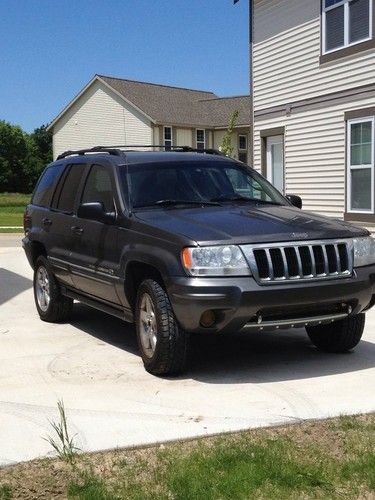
[93, 365]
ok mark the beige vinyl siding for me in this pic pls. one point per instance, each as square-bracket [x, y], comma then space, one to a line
[157, 137]
[100, 117]
[286, 64]
[218, 138]
[314, 155]
[184, 137]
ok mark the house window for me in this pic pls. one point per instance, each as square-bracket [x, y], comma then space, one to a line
[361, 165]
[168, 143]
[345, 23]
[242, 148]
[200, 136]
[242, 142]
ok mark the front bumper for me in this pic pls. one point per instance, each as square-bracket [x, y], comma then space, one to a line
[241, 303]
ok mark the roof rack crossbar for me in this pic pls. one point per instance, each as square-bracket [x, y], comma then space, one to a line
[115, 150]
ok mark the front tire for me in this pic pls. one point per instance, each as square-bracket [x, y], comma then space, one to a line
[51, 305]
[162, 343]
[340, 336]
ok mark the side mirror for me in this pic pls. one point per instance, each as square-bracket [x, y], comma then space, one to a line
[95, 211]
[295, 200]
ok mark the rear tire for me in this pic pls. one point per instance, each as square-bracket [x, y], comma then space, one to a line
[340, 336]
[51, 305]
[162, 343]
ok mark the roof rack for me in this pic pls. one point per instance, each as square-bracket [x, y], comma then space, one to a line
[96, 149]
[115, 150]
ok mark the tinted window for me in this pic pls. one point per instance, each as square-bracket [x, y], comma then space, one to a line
[69, 189]
[197, 181]
[46, 185]
[99, 188]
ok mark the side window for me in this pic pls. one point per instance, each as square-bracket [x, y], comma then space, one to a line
[361, 165]
[99, 188]
[46, 185]
[168, 142]
[200, 136]
[68, 191]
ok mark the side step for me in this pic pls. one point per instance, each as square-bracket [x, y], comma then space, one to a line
[119, 312]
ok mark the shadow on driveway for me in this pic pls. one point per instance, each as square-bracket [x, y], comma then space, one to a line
[12, 284]
[241, 358]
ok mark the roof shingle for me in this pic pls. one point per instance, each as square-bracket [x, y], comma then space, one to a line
[180, 106]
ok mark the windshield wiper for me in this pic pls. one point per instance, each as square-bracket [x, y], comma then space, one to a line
[243, 198]
[231, 198]
[173, 203]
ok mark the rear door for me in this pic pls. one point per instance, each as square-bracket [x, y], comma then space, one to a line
[96, 255]
[62, 215]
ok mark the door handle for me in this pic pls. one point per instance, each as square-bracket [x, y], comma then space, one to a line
[46, 222]
[76, 230]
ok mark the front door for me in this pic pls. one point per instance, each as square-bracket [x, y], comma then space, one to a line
[95, 258]
[275, 161]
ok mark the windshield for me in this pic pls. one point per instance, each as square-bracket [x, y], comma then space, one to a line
[194, 183]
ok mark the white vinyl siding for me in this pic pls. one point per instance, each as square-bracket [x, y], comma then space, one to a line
[360, 169]
[286, 66]
[100, 117]
[315, 153]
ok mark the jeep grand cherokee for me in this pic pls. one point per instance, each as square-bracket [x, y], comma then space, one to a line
[184, 242]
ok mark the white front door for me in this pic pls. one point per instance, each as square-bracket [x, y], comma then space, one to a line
[275, 161]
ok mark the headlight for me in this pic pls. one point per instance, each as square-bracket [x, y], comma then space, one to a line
[215, 261]
[364, 251]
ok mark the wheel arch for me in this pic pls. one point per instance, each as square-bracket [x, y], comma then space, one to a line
[136, 272]
[36, 250]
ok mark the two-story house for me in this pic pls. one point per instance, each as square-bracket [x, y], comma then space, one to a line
[313, 87]
[117, 111]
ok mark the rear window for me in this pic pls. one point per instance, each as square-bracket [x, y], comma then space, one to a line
[46, 186]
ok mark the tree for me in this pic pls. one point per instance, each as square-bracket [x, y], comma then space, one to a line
[226, 146]
[43, 141]
[22, 157]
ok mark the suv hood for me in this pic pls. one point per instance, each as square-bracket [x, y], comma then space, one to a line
[248, 224]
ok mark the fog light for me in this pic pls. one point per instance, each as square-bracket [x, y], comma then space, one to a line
[208, 319]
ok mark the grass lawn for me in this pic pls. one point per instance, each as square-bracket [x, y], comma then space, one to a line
[329, 459]
[12, 206]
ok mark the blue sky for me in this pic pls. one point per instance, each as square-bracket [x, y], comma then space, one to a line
[49, 49]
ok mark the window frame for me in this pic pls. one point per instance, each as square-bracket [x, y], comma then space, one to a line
[165, 127]
[347, 44]
[350, 167]
[204, 138]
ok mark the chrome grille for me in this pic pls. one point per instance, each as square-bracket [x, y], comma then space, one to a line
[307, 260]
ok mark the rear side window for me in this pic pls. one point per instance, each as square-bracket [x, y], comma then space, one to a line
[46, 186]
[69, 189]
